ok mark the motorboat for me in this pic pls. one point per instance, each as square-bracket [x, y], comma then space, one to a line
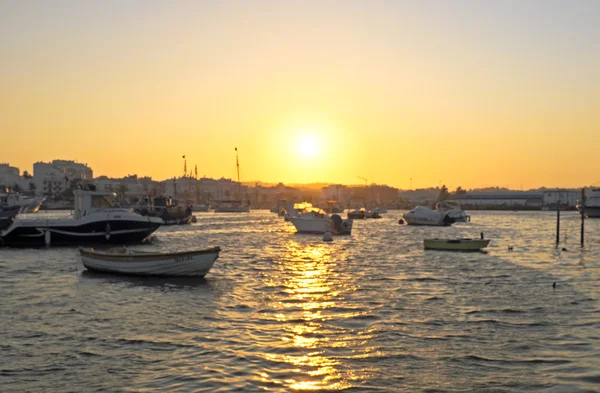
[123, 260]
[456, 244]
[96, 219]
[357, 214]
[453, 209]
[232, 206]
[592, 204]
[165, 208]
[422, 215]
[315, 220]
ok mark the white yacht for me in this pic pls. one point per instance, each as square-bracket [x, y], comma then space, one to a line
[453, 209]
[592, 204]
[315, 220]
[96, 219]
[421, 215]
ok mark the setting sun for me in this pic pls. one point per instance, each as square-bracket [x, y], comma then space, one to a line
[308, 146]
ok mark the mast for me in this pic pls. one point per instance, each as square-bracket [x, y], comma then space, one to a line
[237, 164]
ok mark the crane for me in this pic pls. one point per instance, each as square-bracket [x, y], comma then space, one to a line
[362, 178]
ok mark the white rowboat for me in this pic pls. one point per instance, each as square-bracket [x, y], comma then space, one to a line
[456, 244]
[126, 261]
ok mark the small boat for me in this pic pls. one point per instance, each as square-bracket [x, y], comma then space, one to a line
[122, 260]
[357, 214]
[165, 208]
[315, 220]
[421, 215]
[456, 244]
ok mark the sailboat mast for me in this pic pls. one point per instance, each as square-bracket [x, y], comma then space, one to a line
[237, 164]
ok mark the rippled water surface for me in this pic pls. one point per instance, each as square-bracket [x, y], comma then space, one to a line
[282, 311]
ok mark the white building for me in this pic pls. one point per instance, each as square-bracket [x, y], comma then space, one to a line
[53, 177]
[9, 175]
[129, 187]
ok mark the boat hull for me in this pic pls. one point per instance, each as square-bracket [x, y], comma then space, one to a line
[41, 233]
[455, 245]
[320, 226]
[192, 263]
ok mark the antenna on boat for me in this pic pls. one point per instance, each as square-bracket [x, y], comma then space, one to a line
[237, 163]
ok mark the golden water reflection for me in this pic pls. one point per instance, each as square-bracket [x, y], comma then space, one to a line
[312, 287]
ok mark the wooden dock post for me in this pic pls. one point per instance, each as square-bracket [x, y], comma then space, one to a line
[582, 211]
[557, 224]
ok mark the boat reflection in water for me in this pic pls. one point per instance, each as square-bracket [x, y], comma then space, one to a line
[310, 312]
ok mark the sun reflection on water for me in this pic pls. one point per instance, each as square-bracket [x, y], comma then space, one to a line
[311, 285]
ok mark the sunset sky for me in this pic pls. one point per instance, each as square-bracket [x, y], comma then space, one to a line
[469, 93]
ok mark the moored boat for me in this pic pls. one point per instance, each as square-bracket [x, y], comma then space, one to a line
[96, 219]
[122, 260]
[455, 244]
[357, 214]
[421, 215]
[166, 209]
[315, 220]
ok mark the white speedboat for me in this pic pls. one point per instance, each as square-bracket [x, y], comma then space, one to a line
[96, 219]
[421, 215]
[592, 204]
[315, 220]
[122, 260]
[456, 244]
[453, 209]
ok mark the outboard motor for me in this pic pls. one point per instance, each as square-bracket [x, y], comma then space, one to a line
[337, 223]
[448, 220]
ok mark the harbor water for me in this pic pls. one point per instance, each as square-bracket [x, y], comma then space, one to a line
[281, 311]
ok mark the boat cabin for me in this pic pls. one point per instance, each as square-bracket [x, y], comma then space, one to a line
[86, 201]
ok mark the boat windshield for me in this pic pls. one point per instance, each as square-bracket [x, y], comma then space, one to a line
[302, 205]
[102, 201]
[315, 210]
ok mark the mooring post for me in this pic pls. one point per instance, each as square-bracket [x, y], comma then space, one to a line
[557, 224]
[582, 211]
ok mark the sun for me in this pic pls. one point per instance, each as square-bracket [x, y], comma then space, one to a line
[308, 146]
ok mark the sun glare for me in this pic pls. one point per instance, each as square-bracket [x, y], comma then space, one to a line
[308, 146]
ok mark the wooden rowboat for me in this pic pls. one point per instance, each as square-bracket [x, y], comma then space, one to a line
[456, 244]
[122, 260]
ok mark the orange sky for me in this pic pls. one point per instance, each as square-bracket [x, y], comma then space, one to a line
[473, 94]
